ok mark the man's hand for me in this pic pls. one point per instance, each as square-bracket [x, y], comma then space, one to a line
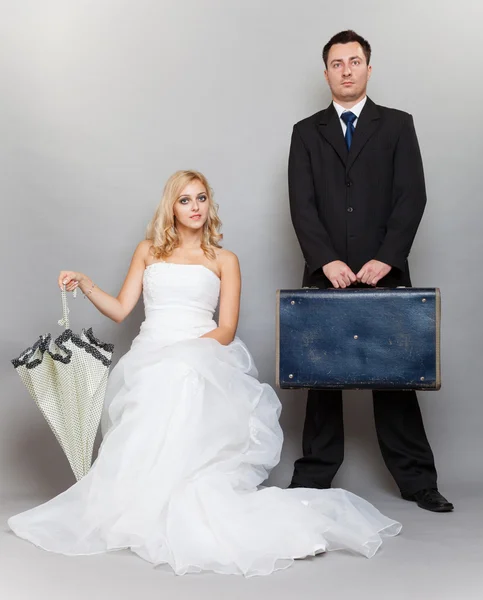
[339, 274]
[373, 271]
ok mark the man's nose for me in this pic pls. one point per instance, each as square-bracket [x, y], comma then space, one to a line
[347, 70]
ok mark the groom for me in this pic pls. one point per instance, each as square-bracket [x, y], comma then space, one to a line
[357, 195]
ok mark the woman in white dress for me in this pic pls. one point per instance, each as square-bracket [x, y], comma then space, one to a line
[189, 432]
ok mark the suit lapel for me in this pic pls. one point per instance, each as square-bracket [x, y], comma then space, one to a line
[367, 124]
[330, 128]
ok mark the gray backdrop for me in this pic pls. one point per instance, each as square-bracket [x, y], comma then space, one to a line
[102, 100]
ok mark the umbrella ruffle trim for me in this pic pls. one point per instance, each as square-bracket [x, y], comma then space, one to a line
[44, 342]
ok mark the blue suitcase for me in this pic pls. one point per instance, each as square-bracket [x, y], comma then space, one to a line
[359, 338]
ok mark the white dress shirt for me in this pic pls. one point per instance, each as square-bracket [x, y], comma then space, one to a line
[357, 109]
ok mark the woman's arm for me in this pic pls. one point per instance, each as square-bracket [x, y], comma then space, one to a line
[117, 308]
[229, 300]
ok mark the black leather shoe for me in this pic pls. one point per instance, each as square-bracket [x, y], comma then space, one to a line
[430, 499]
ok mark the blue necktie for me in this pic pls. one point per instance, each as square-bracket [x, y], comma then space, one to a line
[349, 118]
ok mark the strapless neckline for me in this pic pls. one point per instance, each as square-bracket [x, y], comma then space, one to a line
[162, 262]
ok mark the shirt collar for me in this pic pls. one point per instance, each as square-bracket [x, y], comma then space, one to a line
[357, 109]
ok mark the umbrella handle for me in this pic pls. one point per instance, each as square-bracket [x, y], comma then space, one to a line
[65, 309]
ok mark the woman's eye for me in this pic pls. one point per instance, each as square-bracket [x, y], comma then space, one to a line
[184, 201]
[202, 198]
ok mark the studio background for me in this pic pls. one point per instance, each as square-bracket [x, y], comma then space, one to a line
[101, 101]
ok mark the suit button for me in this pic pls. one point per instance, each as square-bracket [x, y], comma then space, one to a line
[350, 209]
[348, 183]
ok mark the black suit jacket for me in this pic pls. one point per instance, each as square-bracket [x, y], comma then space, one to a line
[358, 205]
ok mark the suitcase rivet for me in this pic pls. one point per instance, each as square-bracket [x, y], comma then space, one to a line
[356, 337]
[293, 302]
[422, 378]
[290, 376]
[424, 300]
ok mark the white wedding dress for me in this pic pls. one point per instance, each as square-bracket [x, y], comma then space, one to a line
[189, 435]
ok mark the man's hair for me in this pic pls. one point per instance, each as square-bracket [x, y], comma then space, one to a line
[345, 37]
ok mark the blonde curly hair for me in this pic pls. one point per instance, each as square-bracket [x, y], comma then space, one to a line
[162, 230]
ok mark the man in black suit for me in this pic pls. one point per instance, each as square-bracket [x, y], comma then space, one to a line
[357, 195]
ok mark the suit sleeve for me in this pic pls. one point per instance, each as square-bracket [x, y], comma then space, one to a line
[409, 199]
[313, 238]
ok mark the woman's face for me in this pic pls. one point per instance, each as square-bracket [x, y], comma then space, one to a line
[192, 206]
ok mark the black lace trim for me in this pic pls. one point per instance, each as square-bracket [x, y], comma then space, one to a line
[43, 345]
[95, 341]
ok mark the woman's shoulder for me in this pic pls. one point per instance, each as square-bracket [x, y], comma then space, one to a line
[144, 249]
[144, 245]
[226, 256]
[227, 262]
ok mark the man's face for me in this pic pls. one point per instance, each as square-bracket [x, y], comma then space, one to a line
[347, 72]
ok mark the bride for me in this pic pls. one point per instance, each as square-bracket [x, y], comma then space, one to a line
[189, 431]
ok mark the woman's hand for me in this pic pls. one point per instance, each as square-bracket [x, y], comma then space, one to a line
[70, 279]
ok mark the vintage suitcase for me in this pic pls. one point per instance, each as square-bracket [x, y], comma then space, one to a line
[359, 338]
